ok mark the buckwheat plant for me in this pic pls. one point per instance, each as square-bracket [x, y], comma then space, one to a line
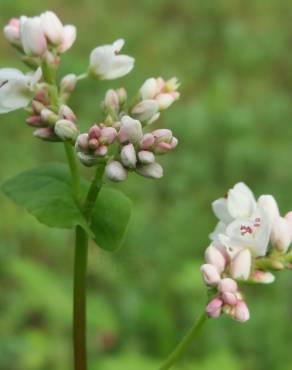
[124, 142]
[249, 243]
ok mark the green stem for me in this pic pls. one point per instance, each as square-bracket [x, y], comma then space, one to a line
[74, 171]
[185, 343]
[93, 191]
[79, 307]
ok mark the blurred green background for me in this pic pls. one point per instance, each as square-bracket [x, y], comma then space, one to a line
[234, 122]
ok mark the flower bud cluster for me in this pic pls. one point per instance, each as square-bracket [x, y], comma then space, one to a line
[155, 95]
[240, 249]
[38, 35]
[135, 151]
[51, 126]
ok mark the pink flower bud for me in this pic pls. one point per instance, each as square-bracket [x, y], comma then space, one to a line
[67, 113]
[69, 37]
[241, 311]
[32, 36]
[111, 100]
[263, 277]
[46, 134]
[107, 135]
[227, 285]
[213, 309]
[94, 132]
[229, 298]
[130, 131]
[163, 134]
[146, 157]
[145, 110]
[241, 265]
[49, 116]
[34, 121]
[281, 234]
[164, 100]
[12, 31]
[128, 156]
[82, 142]
[114, 171]
[214, 257]
[68, 83]
[210, 274]
[101, 151]
[93, 144]
[147, 141]
[153, 170]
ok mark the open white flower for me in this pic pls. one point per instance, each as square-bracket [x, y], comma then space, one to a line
[107, 64]
[16, 88]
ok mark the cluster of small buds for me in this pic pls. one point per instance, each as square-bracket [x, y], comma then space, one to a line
[113, 102]
[155, 95]
[52, 126]
[228, 298]
[135, 151]
[240, 251]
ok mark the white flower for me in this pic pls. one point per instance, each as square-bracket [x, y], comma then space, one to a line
[32, 36]
[16, 88]
[107, 64]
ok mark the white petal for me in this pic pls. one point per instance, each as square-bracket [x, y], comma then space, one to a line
[69, 37]
[241, 201]
[220, 210]
[52, 27]
[241, 265]
[121, 65]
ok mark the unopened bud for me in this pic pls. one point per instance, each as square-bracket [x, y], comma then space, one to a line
[82, 142]
[152, 170]
[12, 31]
[229, 298]
[128, 156]
[241, 312]
[130, 131]
[241, 265]
[114, 171]
[147, 141]
[122, 94]
[263, 277]
[111, 100]
[87, 159]
[145, 110]
[94, 132]
[107, 135]
[46, 134]
[281, 234]
[227, 285]
[213, 309]
[210, 274]
[68, 83]
[146, 157]
[214, 257]
[34, 121]
[48, 116]
[67, 113]
[66, 130]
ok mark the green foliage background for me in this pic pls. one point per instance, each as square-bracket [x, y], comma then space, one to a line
[233, 122]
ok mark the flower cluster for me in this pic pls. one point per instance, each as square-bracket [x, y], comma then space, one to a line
[240, 253]
[131, 150]
[119, 142]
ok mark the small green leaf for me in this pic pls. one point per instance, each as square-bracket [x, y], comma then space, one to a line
[46, 193]
[110, 218]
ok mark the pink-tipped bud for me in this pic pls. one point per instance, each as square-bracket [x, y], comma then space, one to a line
[94, 132]
[114, 171]
[152, 170]
[229, 298]
[12, 31]
[281, 234]
[263, 277]
[107, 135]
[214, 257]
[128, 156]
[68, 83]
[147, 141]
[101, 151]
[82, 143]
[214, 307]
[210, 274]
[130, 131]
[67, 113]
[112, 101]
[69, 37]
[146, 157]
[227, 285]
[46, 134]
[32, 36]
[241, 265]
[241, 312]
[165, 100]
[34, 121]
[52, 27]
[93, 144]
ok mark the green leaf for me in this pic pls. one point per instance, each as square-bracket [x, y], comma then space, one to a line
[110, 218]
[45, 192]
